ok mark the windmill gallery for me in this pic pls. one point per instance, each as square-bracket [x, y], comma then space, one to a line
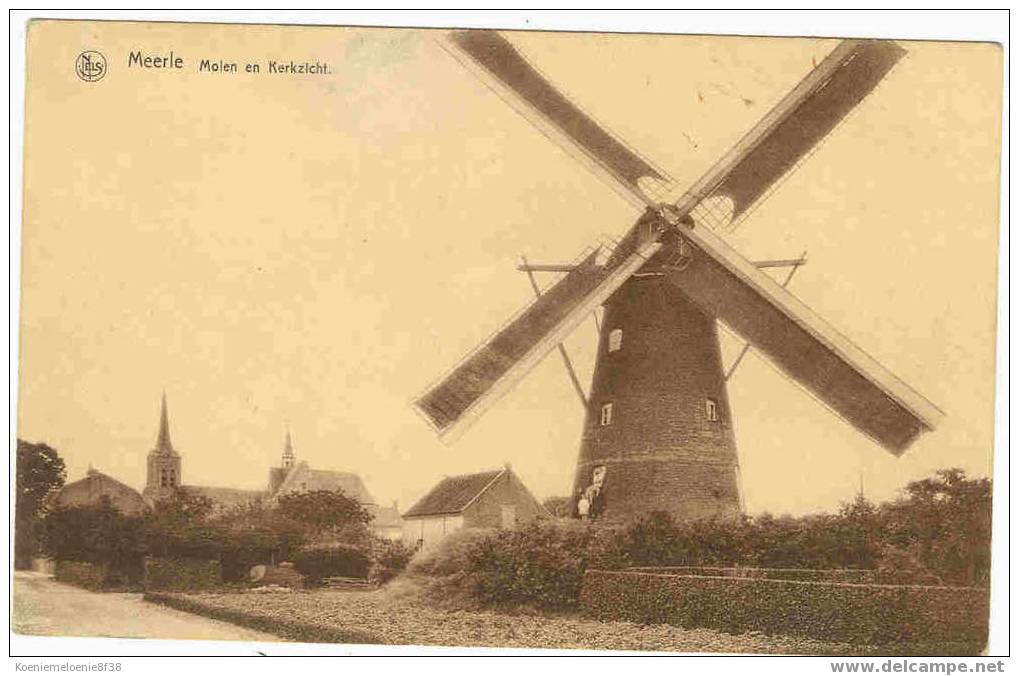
[658, 431]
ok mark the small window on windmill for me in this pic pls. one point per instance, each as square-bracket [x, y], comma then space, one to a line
[615, 340]
[711, 408]
[606, 415]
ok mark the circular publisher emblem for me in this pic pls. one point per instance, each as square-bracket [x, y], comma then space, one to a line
[90, 66]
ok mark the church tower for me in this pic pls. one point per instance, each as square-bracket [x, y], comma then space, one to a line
[288, 452]
[163, 470]
[278, 474]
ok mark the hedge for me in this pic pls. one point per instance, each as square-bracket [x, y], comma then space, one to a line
[81, 574]
[286, 628]
[848, 575]
[868, 614]
[181, 573]
[338, 560]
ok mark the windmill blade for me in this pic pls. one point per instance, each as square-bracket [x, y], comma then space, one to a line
[800, 343]
[485, 375]
[504, 69]
[789, 132]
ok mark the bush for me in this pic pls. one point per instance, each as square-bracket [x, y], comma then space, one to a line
[449, 556]
[857, 613]
[81, 574]
[939, 532]
[542, 566]
[181, 573]
[539, 567]
[95, 533]
[337, 560]
[389, 559]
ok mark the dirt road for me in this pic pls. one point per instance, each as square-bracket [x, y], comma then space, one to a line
[47, 608]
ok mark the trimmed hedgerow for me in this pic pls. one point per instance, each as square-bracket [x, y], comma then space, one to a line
[847, 575]
[81, 573]
[856, 613]
[268, 622]
[181, 573]
[336, 560]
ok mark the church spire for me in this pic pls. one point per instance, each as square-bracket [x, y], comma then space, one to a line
[163, 443]
[288, 452]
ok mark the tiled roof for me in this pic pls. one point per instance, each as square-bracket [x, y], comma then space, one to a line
[96, 484]
[302, 478]
[453, 494]
[225, 496]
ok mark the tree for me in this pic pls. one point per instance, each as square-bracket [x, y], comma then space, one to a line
[40, 472]
[183, 507]
[326, 515]
[96, 533]
[944, 522]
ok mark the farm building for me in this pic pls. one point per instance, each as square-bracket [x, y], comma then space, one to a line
[96, 486]
[496, 499]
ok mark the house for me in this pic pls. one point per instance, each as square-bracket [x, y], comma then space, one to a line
[496, 499]
[96, 486]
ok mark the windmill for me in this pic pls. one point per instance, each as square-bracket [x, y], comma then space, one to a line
[658, 429]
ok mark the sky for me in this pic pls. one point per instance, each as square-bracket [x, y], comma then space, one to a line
[311, 252]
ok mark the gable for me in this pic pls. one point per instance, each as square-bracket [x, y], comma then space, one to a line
[508, 490]
[91, 489]
[302, 478]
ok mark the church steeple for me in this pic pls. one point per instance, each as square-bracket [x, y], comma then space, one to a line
[163, 466]
[288, 452]
[163, 443]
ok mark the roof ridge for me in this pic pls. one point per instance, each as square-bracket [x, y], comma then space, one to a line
[453, 494]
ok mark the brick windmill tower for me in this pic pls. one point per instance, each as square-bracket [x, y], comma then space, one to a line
[658, 432]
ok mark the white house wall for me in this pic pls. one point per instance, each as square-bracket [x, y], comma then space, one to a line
[430, 529]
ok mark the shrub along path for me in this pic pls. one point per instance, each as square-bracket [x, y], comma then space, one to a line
[375, 617]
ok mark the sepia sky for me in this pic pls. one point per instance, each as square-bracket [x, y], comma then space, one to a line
[313, 251]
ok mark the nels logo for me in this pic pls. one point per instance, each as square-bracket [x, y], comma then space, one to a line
[90, 66]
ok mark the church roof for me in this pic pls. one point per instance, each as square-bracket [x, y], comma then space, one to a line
[302, 478]
[453, 494]
[225, 496]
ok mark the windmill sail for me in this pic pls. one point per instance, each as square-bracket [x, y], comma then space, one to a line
[771, 319]
[721, 281]
[791, 130]
[500, 65]
[492, 369]
[802, 345]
